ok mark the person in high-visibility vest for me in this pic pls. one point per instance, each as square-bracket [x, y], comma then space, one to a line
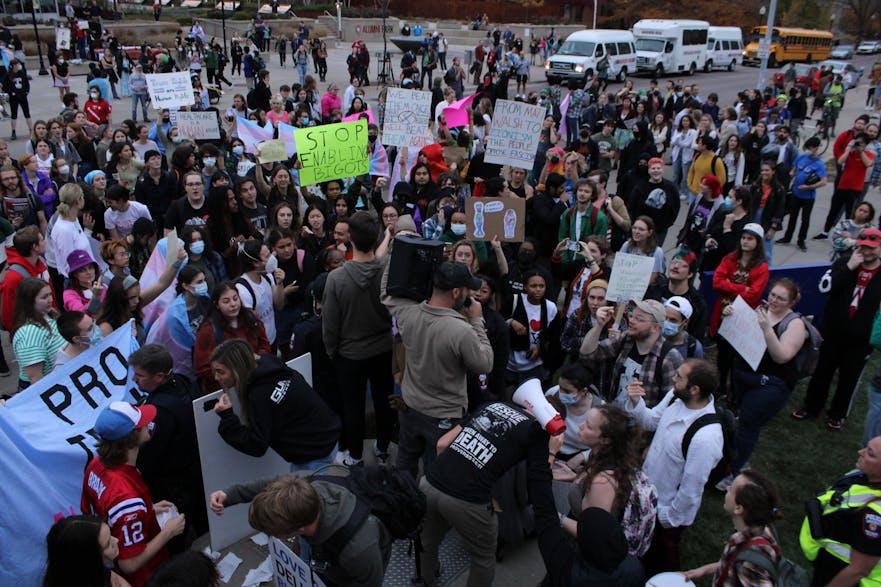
[842, 531]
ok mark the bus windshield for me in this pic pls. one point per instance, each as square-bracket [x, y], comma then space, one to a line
[653, 45]
[577, 48]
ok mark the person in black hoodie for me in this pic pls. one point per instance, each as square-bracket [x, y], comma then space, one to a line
[484, 387]
[600, 558]
[547, 208]
[656, 197]
[308, 338]
[641, 148]
[279, 409]
[170, 463]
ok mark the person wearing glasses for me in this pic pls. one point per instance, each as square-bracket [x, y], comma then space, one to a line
[191, 209]
[639, 354]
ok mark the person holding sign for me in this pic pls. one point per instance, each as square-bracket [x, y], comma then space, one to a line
[643, 241]
[640, 355]
[742, 273]
[764, 392]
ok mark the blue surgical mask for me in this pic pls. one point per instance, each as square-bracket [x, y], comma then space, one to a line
[729, 203]
[669, 328]
[567, 399]
[238, 150]
[209, 162]
[201, 289]
[177, 139]
[458, 229]
[95, 336]
[197, 247]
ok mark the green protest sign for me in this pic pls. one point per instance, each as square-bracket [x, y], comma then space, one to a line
[332, 151]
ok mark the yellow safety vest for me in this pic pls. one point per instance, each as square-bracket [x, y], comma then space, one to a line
[855, 496]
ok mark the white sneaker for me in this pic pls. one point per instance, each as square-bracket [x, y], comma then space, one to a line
[382, 458]
[341, 456]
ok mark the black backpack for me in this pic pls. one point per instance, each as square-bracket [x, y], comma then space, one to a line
[392, 496]
[728, 421]
[450, 76]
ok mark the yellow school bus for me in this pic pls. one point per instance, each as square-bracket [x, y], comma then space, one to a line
[789, 44]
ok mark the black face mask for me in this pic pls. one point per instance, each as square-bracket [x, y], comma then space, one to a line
[165, 120]
[371, 138]
[525, 258]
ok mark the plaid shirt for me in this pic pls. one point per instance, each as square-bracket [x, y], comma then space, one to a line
[745, 573]
[575, 105]
[875, 175]
[619, 348]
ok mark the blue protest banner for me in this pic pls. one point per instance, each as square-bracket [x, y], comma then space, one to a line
[46, 440]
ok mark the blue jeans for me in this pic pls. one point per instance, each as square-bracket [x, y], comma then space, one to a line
[760, 397]
[142, 98]
[680, 174]
[317, 463]
[873, 415]
[301, 70]
[767, 243]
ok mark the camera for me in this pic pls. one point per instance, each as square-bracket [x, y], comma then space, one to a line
[555, 159]
[573, 246]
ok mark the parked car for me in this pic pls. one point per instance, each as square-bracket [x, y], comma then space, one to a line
[869, 47]
[843, 67]
[842, 52]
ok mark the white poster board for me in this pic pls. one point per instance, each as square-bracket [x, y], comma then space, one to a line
[170, 90]
[741, 329]
[514, 135]
[289, 569]
[630, 277]
[407, 113]
[222, 465]
[197, 125]
[62, 39]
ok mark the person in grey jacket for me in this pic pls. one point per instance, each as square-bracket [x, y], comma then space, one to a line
[291, 506]
[138, 84]
[357, 332]
[444, 337]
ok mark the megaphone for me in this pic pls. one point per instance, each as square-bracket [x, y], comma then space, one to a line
[530, 396]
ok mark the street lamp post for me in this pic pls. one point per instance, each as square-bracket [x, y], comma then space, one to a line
[223, 21]
[595, 2]
[765, 50]
[43, 70]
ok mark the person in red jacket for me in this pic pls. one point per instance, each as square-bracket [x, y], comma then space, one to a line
[228, 319]
[853, 164]
[743, 272]
[23, 259]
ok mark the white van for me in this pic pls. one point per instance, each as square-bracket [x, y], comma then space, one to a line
[671, 46]
[578, 56]
[724, 48]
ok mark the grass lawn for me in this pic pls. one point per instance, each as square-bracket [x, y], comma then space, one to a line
[802, 458]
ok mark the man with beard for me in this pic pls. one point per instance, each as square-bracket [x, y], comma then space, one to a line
[678, 478]
[657, 198]
[639, 355]
[443, 339]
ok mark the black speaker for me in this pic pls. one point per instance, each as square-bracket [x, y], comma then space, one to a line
[412, 266]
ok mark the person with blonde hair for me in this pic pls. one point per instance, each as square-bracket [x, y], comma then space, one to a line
[65, 233]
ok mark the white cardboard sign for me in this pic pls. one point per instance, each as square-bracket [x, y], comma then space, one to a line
[407, 113]
[630, 277]
[170, 90]
[741, 329]
[514, 135]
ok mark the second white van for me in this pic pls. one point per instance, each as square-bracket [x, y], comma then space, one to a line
[579, 54]
[724, 48]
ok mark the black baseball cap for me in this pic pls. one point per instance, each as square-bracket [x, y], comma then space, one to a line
[451, 274]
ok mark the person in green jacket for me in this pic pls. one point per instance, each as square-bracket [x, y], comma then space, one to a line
[582, 220]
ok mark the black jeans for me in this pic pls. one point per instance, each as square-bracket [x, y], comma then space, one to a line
[849, 357]
[842, 200]
[805, 207]
[352, 377]
[417, 438]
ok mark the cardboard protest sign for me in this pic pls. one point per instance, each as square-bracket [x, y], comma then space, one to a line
[741, 329]
[271, 151]
[513, 138]
[197, 125]
[630, 277]
[489, 217]
[407, 114]
[62, 38]
[332, 151]
[170, 90]
[289, 569]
